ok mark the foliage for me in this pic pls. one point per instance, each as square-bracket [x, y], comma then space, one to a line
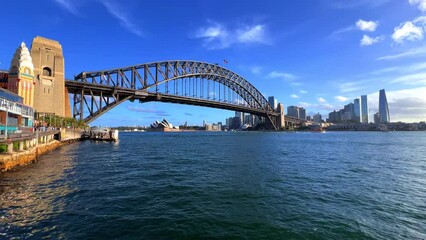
[3, 148]
[57, 121]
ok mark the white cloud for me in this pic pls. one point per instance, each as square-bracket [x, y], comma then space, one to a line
[321, 100]
[367, 41]
[256, 70]
[116, 11]
[294, 96]
[282, 75]
[341, 98]
[252, 34]
[412, 79]
[369, 26]
[401, 69]
[351, 86]
[304, 104]
[409, 53]
[303, 91]
[405, 105]
[336, 34]
[410, 30]
[218, 36]
[68, 6]
[421, 4]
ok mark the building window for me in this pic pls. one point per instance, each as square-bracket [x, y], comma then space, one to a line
[47, 72]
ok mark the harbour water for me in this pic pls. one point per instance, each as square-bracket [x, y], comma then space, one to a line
[227, 185]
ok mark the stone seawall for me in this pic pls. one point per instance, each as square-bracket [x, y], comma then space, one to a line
[22, 158]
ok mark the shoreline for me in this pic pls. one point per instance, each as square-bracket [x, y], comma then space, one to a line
[14, 161]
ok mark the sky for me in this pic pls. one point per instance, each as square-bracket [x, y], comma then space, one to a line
[317, 54]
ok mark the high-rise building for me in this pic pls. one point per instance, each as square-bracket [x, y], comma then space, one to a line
[383, 107]
[333, 117]
[273, 102]
[21, 75]
[302, 113]
[297, 112]
[293, 111]
[357, 110]
[240, 115]
[317, 118]
[364, 109]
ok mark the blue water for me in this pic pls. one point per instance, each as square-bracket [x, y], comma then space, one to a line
[229, 185]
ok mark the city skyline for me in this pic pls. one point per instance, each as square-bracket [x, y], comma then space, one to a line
[301, 57]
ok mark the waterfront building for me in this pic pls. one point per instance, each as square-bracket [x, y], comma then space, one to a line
[50, 94]
[228, 123]
[297, 112]
[236, 123]
[302, 113]
[377, 118]
[293, 111]
[21, 75]
[240, 115]
[213, 127]
[163, 126]
[383, 107]
[273, 102]
[14, 114]
[364, 109]
[357, 110]
[333, 117]
[317, 118]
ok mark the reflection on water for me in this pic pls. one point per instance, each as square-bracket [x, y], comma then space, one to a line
[33, 194]
[238, 185]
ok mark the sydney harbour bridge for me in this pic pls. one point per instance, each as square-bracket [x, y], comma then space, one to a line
[183, 82]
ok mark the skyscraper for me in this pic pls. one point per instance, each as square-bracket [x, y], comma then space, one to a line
[293, 111]
[383, 107]
[273, 102]
[302, 113]
[357, 110]
[364, 109]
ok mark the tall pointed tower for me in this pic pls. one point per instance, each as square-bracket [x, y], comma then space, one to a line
[21, 75]
[383, 107]
[50, 93]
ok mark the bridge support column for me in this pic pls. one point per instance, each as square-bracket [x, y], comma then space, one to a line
[21, 145]
[280, 118]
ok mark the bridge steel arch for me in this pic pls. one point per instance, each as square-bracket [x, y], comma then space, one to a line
[185, 82]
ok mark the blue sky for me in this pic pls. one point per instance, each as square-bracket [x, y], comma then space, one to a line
[319, 54]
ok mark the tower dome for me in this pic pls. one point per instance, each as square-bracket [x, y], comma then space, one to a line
[21, 61]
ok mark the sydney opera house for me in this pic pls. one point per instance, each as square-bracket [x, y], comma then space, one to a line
[163, 126]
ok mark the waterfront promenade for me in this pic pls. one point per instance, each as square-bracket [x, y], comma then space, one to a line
[21, 149]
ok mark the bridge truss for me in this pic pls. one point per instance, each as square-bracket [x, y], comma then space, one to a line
[184, 82]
